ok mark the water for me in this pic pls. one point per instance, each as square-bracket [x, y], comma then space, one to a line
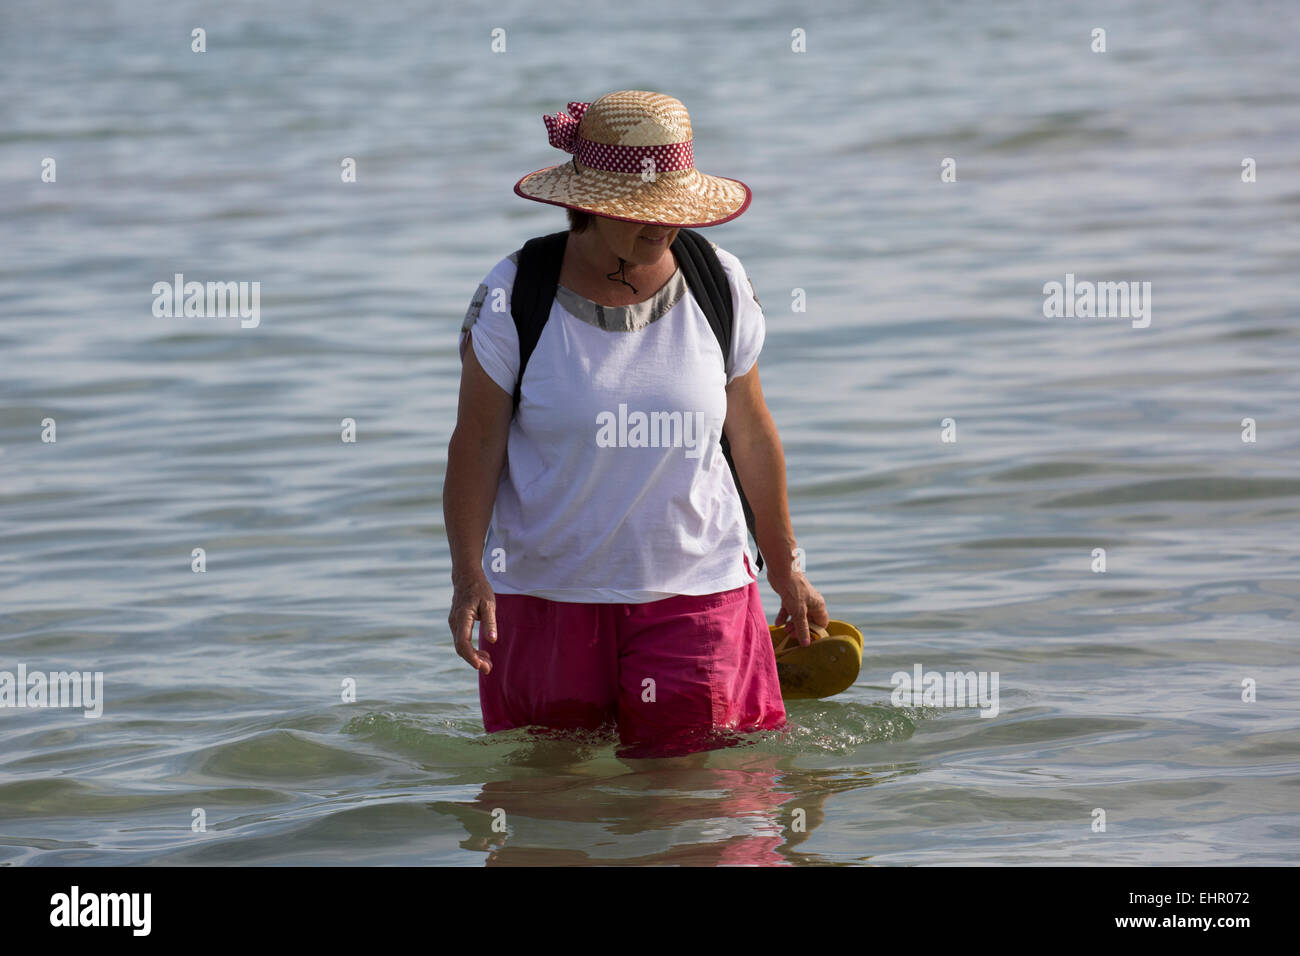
[326, 561]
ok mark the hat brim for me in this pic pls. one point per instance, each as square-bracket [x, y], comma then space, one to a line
[681, 198]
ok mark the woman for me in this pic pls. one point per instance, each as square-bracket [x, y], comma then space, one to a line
[616, 584]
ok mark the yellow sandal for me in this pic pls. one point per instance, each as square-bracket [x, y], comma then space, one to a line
[827, 666]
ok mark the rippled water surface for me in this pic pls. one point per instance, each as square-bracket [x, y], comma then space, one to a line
[326, 561]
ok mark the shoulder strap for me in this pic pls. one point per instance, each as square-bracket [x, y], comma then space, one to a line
[537, 276]
[708, 283]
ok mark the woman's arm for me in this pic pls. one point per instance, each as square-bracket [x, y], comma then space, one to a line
[760, 464]
[475, 457]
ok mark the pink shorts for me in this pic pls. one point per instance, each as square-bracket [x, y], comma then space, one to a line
[681, 674]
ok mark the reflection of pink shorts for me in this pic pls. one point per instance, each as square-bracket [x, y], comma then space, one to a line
[688, 667]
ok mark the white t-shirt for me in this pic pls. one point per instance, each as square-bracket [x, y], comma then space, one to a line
[615, 487]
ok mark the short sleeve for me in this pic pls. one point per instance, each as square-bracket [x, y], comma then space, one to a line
[749, 329]
[496, 343]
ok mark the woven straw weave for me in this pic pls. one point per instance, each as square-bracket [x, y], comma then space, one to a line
[686, 197]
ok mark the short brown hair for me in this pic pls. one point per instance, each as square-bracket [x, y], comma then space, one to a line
[578, 221]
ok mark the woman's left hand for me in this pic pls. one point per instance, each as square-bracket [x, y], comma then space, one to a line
[800, 603]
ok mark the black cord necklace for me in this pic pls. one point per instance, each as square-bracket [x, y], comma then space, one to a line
[618, 275]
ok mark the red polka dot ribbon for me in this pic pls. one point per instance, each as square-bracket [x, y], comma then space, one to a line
[562, 130]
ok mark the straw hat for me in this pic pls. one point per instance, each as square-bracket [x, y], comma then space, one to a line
[633, 160]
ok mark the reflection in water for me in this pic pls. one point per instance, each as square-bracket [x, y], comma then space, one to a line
[733, 806]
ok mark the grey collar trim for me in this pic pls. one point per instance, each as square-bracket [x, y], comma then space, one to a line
[621, 318]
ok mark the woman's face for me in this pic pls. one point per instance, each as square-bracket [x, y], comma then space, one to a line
[634, 241]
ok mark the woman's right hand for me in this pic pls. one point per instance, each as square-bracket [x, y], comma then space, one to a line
[472, 600]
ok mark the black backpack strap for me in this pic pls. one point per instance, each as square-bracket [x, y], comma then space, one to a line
[537, 276]
[708, 283]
